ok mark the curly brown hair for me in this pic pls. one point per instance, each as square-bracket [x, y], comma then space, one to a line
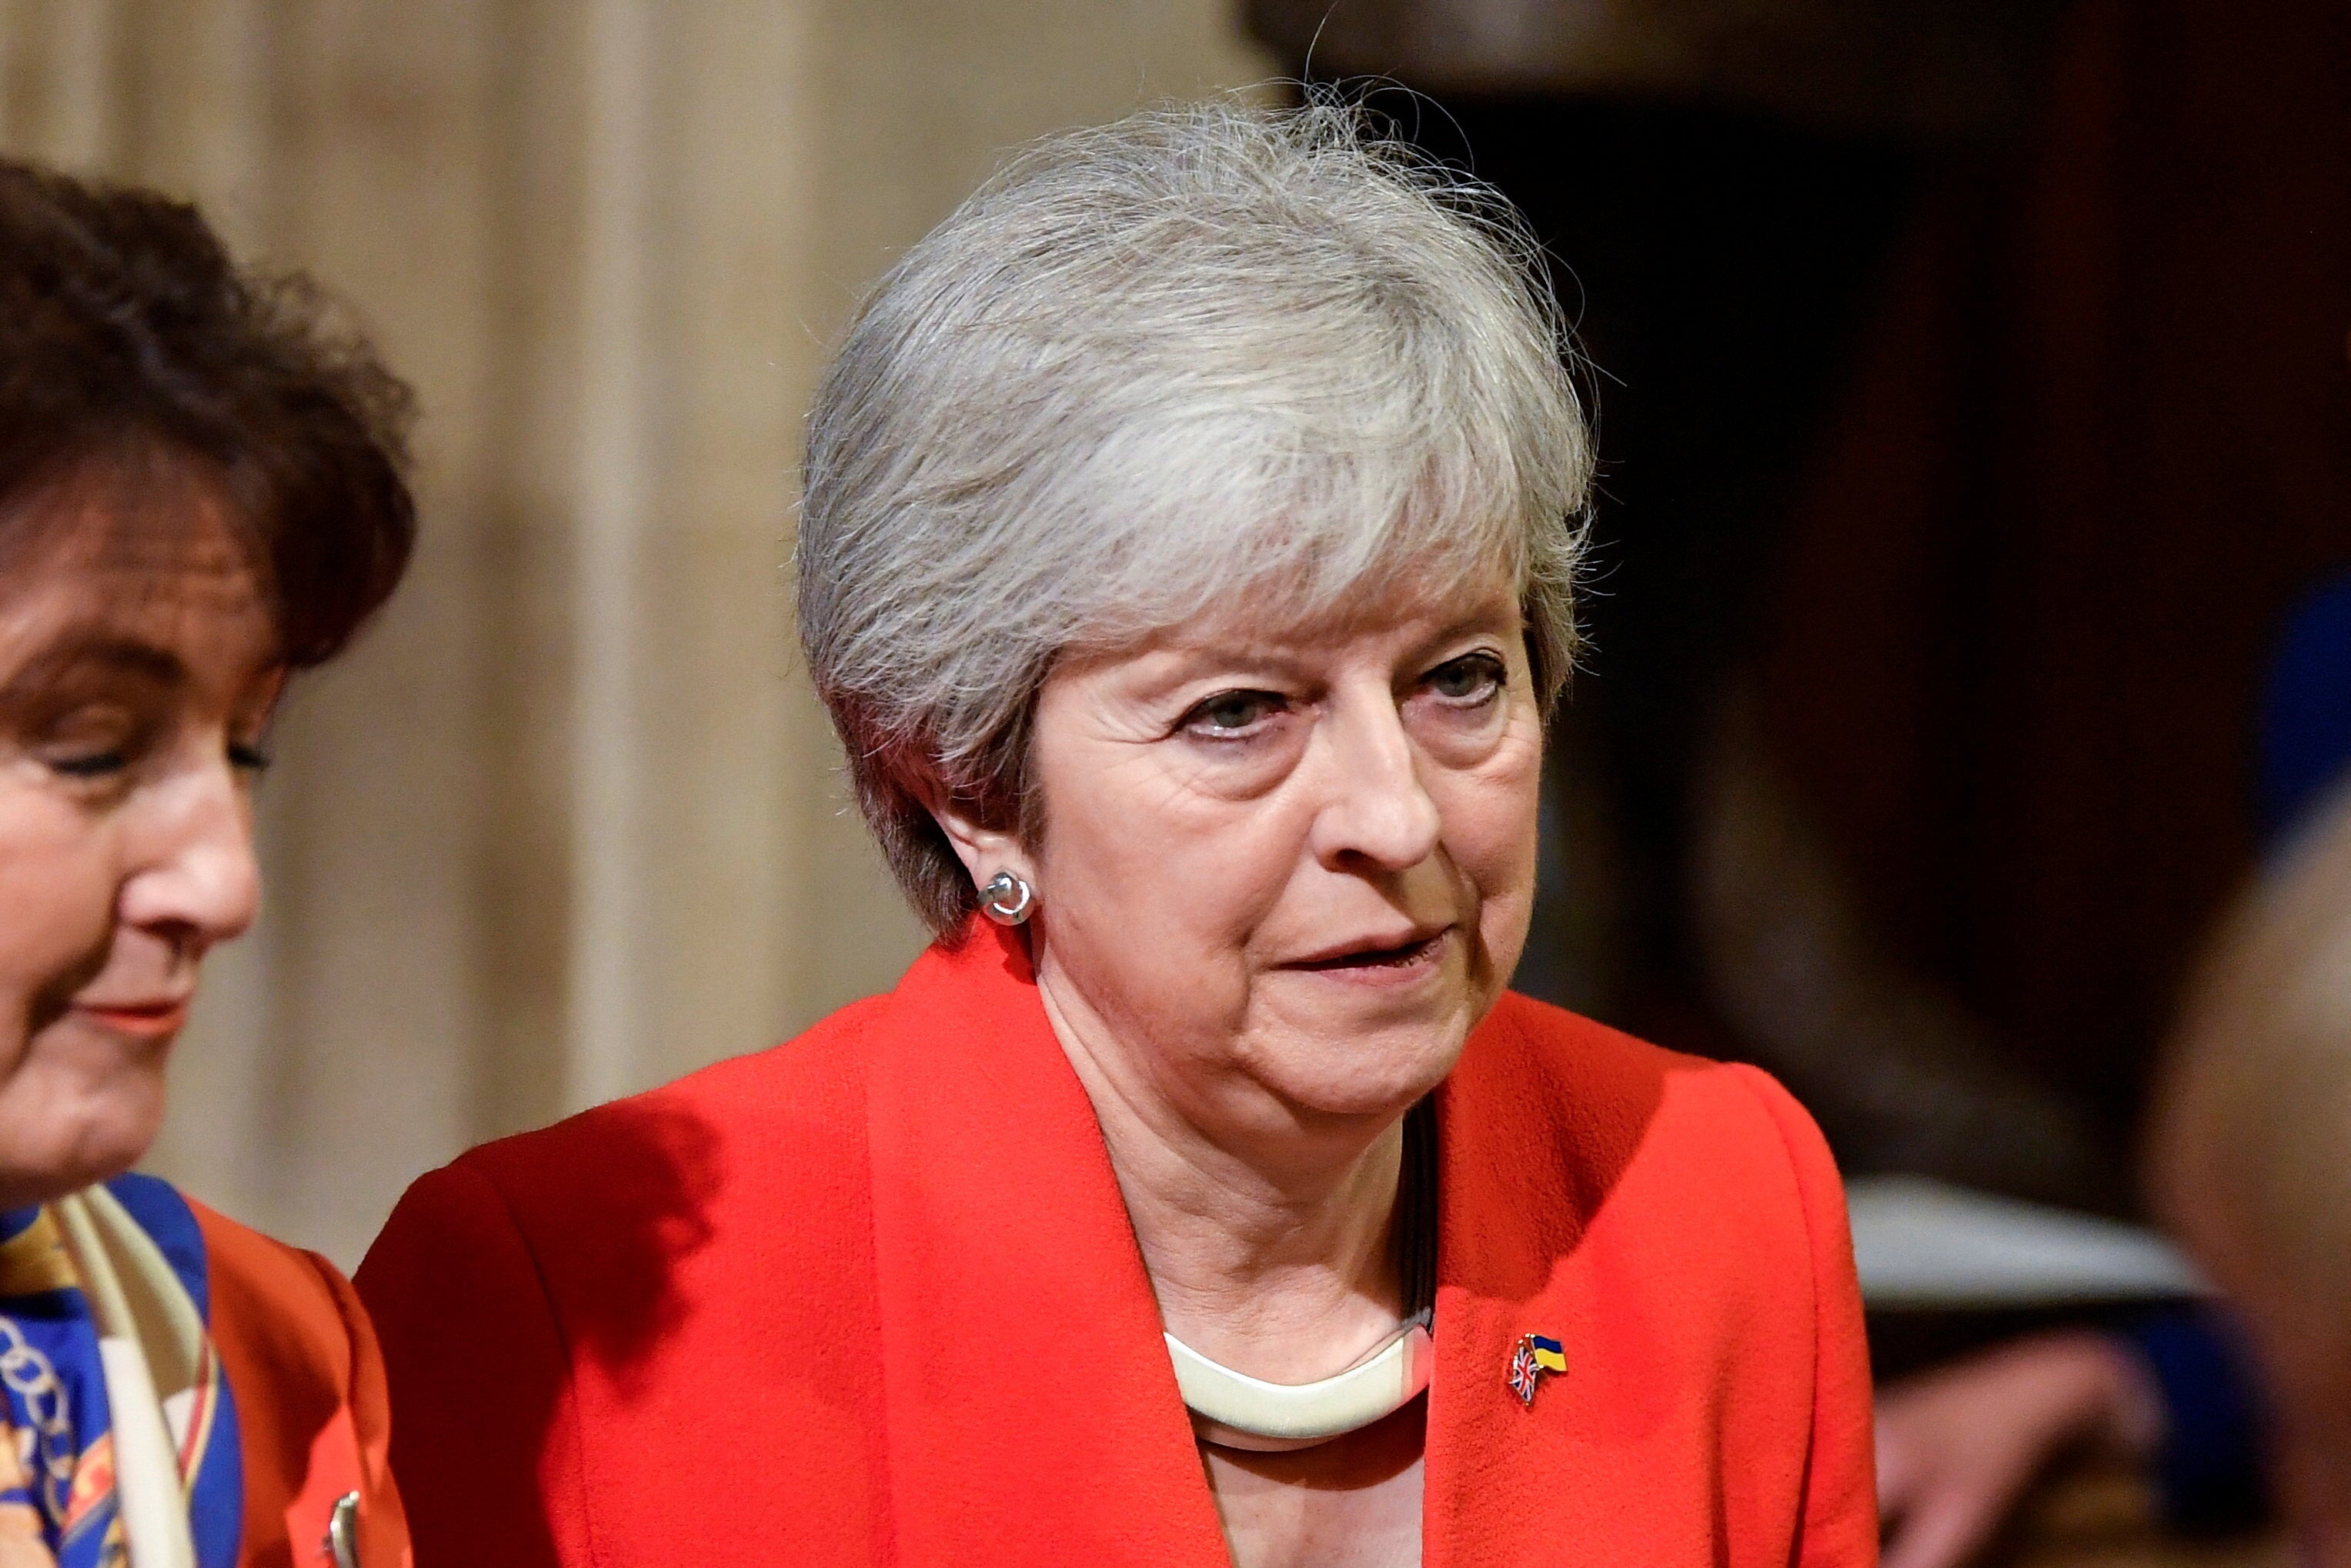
[126, 334]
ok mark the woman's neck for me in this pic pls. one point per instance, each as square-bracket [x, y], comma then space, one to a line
[1268, 1251]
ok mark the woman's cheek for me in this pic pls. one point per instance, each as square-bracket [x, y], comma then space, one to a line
[1496, 852]
[56, 915]
[1490, 820]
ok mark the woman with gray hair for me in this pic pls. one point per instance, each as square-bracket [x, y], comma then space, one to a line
[1189, 532]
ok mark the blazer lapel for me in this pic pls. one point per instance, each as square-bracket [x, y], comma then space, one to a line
[1031, 1413]
[1526, 1158]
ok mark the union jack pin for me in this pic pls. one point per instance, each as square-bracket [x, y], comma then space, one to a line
[1535, 1355]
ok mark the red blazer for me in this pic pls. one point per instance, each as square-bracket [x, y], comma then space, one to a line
[872, 1298]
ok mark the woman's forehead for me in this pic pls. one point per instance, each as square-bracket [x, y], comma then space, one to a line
[104, 592]
[1275, 628]
[166, 635]
[135, 514]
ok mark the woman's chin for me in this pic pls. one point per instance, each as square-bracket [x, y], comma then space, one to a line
[56, 1139]
[1376, 1074]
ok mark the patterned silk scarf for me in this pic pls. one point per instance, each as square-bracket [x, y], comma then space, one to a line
[118, 1436]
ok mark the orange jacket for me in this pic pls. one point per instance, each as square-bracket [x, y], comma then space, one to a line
[312, 1418]
[872, 1298]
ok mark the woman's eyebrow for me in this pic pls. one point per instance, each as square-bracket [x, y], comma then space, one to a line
[87, 658]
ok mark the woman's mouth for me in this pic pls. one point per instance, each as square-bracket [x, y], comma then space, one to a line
[139, 1020]
[1389, 962]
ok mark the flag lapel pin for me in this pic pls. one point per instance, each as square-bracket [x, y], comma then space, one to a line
[1536, 1354]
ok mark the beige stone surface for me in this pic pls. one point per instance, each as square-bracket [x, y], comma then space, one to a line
[567, 824]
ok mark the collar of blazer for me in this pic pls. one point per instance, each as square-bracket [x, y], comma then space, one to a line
[1014, 1303]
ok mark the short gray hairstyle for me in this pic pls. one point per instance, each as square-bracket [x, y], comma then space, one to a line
[1210, 357]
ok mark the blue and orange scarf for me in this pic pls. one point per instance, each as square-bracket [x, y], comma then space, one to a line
[117, 1435]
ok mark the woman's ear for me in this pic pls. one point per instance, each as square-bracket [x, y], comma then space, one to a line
[984, 850]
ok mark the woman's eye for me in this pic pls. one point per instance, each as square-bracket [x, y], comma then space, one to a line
[89, 764]
[1232, 712]
[91, 741]
[1471, 679]
[246, 758]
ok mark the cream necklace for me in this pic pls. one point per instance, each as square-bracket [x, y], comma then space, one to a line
[1234, 1410]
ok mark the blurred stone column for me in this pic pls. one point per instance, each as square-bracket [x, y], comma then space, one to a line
[567, 822]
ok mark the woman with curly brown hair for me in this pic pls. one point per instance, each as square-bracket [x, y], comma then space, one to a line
[201, 491]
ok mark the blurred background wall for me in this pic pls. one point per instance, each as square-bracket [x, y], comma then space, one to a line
[568, 822]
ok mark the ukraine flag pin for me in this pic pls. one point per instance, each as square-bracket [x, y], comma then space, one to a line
[1536, 1354]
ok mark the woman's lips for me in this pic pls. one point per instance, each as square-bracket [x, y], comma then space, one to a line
[1404, 961]
[140, 1020]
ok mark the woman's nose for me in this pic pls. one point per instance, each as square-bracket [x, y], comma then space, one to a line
[1376, 810]
[195, 880]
